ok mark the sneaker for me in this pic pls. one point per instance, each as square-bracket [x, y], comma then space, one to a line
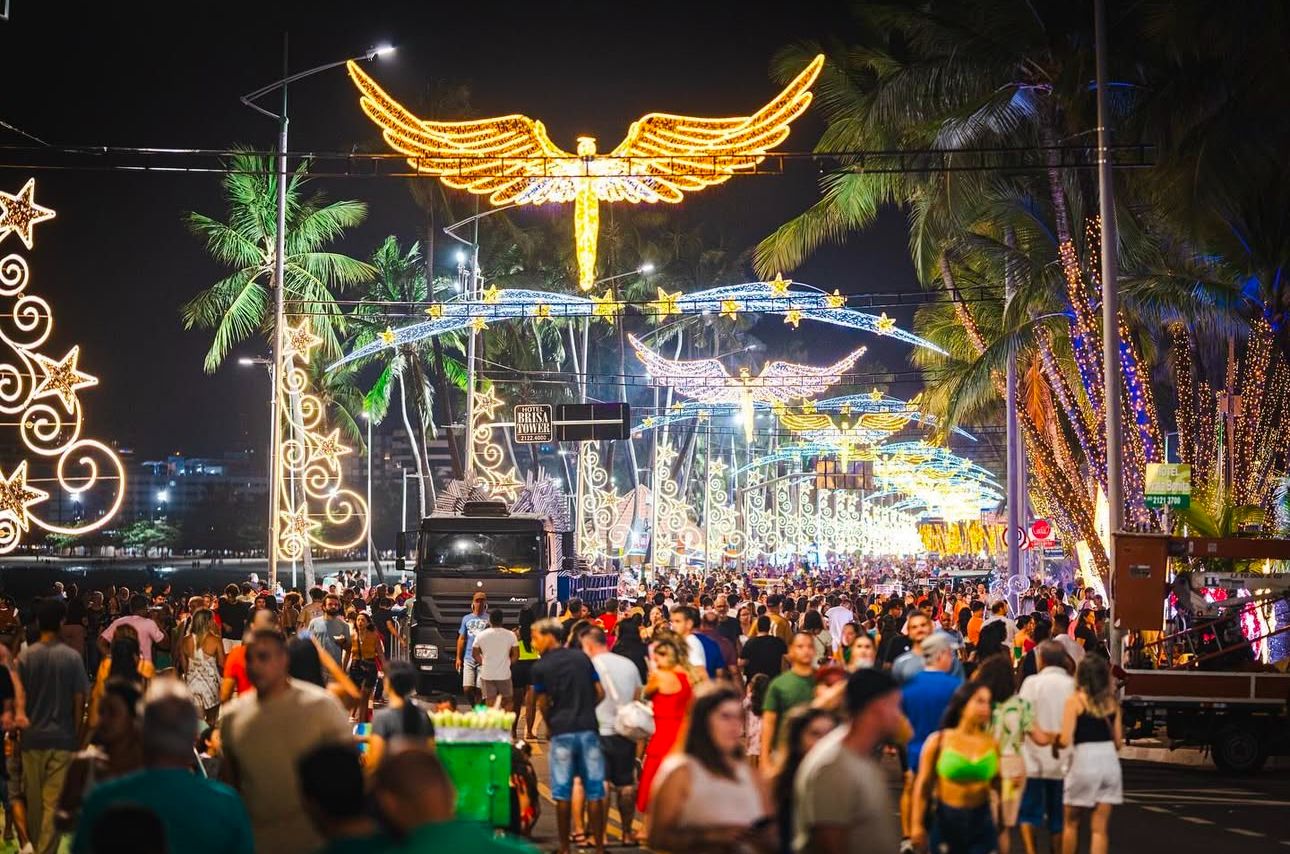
[27, 849]
[906, 846]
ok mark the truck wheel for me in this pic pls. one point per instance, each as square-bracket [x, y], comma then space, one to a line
[1238, 749]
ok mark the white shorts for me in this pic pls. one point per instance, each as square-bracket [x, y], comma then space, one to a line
[1094, 776]
[470, 673]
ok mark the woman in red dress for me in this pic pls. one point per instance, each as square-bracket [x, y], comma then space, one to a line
[669, 690]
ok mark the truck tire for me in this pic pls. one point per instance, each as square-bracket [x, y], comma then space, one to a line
[1238, 748]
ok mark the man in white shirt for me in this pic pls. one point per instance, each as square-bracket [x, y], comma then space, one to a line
[622, 683]
[683, 619]
[838, 615]
[496, 649]
[1047, 692]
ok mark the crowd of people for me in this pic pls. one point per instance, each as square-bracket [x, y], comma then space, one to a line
[771, 706]
[713, 713]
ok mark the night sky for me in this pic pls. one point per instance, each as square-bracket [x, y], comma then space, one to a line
[118, 261]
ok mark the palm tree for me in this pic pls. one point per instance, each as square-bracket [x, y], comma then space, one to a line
[239, 305]
[399, 288]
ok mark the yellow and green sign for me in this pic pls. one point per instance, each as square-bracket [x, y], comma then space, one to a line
[1168, 485]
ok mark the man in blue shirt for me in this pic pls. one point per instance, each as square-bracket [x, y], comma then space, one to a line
[471, 624]
[923, 700]
[200, 816]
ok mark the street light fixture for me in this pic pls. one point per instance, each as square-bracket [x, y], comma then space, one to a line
[279, 268]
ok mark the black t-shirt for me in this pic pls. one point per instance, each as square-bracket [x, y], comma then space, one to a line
[764, 654]
[897, 646]
[568, 679]
[6, 686]
[380, 617]
[233, 616]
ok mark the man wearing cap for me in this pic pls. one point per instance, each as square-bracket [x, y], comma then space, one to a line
[841, 801]
[471, 625]
[923, 700]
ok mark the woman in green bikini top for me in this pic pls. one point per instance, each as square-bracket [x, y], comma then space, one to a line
[958, 769]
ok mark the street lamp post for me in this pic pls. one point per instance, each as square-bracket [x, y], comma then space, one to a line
[279, 272]
[367, 416]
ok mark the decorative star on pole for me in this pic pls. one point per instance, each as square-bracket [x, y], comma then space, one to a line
[835, 300]
[299, 523]
[884, 325]
[492, 295]
[718, 468]
[299, 341]
[435, 310]
[666, 454]
[19, 212]
[16, 496]
[779, 285]
[543, 312]
[876, 396]
[478, 324]
[388, 337]
[328, 447]
[729, 308]
[793, 316]
[62, 378]
[487, 401]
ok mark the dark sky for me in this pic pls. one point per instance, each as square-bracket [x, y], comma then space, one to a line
[118, 262]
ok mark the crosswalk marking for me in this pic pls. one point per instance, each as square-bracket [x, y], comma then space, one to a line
[1243, 832]
[1195, 819]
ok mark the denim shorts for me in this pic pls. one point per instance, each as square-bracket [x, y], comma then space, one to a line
[1042, 797]
[959, 830]
[577, 754]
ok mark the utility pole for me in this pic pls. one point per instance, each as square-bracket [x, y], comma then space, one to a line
[1110, 317]
[1013, 439]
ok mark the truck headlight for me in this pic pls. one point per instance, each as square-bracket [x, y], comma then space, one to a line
[425, 651]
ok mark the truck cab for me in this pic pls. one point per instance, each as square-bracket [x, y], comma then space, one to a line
[513, 558]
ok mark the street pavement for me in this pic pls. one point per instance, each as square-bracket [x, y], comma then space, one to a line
[1167, 808]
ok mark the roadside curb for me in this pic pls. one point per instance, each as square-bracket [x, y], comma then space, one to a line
[1189, 757]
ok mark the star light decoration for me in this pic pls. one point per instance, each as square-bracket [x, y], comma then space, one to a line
[49, 434]
[315, 507]
[491, 469]
[511, 160]
[708, 381]
[19, 213]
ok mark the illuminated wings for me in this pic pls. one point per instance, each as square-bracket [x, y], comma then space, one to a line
[806, 380]
[499, 157]
[665, 155]
[706, 379]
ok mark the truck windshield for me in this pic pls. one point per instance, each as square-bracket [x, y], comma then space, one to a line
[474, 552]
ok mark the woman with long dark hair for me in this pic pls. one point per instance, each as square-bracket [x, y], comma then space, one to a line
[402, 718]
[522, 674]
[956, 774]
[1094, 782]
[803, 728]
[124, 662]
[630, 646]
[707, 798]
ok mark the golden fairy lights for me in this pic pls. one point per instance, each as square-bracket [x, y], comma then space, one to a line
[511, 160]
[315, 508]
[78, 467]
[491, 470]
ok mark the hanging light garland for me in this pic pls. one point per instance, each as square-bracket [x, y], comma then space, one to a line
[524, 304]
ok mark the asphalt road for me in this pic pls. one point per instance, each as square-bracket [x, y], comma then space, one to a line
[1168, 808]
